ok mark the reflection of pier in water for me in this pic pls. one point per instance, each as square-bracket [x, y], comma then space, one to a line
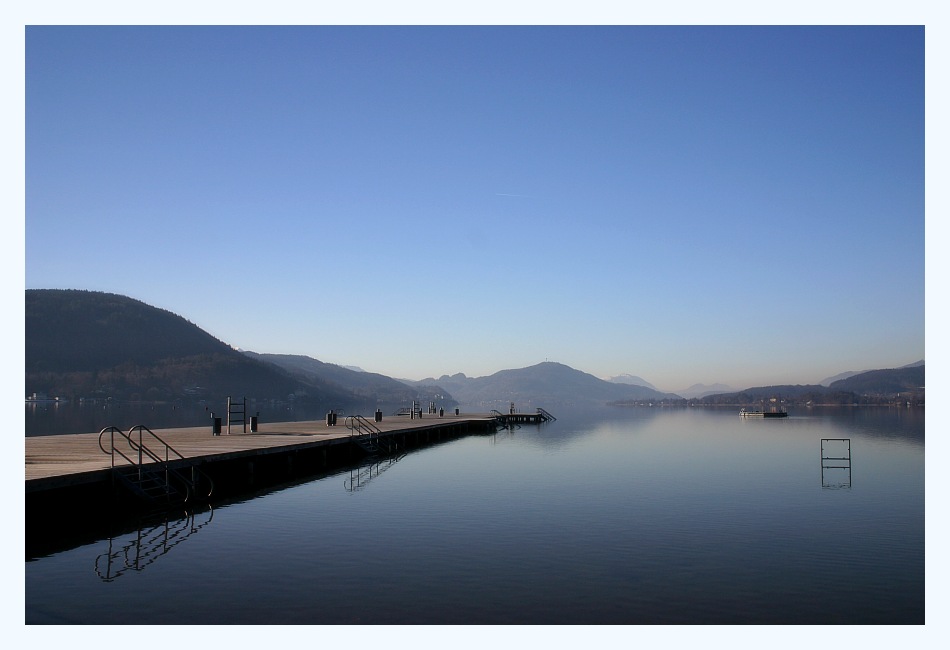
[147, 544]
[361, 476]
[836, 462]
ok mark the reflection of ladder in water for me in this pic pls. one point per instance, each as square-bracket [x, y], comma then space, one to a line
[361, 476]
[841, 460]
[147, 545]
[236, 408]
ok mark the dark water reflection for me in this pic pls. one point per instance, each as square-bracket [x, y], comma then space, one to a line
[636, 516]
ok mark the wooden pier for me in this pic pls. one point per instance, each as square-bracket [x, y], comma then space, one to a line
[521, 418]
[74, 495]
[538, 417]
[64, 461]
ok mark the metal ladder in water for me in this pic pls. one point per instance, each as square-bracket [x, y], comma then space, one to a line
[147, 471]
[237, 408]
[368, 436]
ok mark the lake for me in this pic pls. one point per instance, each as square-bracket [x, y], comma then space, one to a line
[607, 516]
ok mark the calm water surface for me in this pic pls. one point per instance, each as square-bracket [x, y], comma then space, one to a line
[634, 516]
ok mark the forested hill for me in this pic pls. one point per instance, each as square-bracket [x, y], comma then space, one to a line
[897, 380]
[893, 385]
[368, 385]
[92, 344]
[72, 330]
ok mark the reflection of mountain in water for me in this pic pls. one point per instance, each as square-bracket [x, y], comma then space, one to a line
[875, 421]
[878, 422]
[574, 423]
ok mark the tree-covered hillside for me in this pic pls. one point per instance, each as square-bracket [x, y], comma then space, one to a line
[897, 380]
[92, 344]
[71, 330]
[889, 386]
[367, 385]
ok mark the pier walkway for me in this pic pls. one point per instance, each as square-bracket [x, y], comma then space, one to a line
[60, 461]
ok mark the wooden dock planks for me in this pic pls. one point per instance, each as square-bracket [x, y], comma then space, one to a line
[75, 458]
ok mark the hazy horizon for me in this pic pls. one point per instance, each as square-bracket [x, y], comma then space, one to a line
[605, 378]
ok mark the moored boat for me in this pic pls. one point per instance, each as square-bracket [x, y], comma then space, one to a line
[763, 414]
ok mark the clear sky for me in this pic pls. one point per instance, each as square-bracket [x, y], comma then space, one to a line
[687, 204]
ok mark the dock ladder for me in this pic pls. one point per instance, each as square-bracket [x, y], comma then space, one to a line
[239, 411]
[151, 468]
[369, 437]
[501, 420]
[836, 462]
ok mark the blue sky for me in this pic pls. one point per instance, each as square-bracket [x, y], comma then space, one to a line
[687, 204]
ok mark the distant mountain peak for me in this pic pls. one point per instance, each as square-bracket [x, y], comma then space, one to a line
[547, 383]
[631, 380]
[702, 390]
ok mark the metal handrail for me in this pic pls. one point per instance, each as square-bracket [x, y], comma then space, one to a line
[141, 445]
[112, 450]
[142, 449]
[355, 424]
[368, 435]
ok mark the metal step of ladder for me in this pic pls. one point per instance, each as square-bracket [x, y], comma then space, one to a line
[149, 485]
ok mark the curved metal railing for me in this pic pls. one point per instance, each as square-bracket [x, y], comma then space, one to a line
[368, 436]
[143, 456]
[357, 423]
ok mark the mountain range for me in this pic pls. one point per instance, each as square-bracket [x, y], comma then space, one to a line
[544, 384]
[827, 381]
[85, 344]
[366, 386]
[702, 390]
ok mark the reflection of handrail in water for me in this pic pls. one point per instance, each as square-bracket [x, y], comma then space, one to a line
[149, 544]
[359, 478]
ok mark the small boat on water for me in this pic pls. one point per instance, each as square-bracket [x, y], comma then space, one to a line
[763, 414]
